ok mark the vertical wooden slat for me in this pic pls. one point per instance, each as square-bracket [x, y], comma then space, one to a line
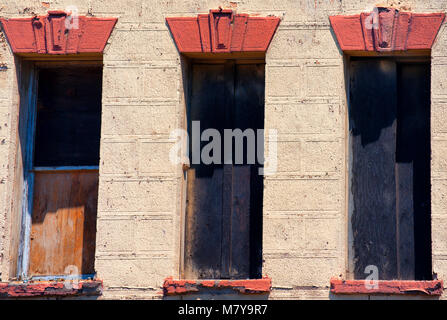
[203, 228]
[227, 194]
[405, 221]
[240, 223]
[203, 233]
[227, 208]
[249, 114]
[28, 108]
[413, 153]
[218, 237]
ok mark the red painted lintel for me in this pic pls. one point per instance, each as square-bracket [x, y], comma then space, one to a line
[57, 33]
[222, 31]
[386, 30]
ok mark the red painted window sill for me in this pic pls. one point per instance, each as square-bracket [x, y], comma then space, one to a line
[395, 287]
[49, 289]
[249, 286]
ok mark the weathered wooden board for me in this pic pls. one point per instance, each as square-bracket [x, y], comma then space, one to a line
[240, 223]
[413, 150]
[405, 221]
[203, 233]
[249, 114]
[63, 222]
[390, 168]
[223, 232]
[203, 243]
[372, 120]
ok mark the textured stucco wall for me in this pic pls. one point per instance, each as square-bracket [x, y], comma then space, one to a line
[140, 193]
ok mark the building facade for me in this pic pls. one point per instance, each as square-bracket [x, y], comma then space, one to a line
[136, 73]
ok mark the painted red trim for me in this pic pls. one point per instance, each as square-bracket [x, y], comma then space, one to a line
[49, 34]
[43, 288]
[388, 31]
[250, 286]
[222, 31]
[398, 287]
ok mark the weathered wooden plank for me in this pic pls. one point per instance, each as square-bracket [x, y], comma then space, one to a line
[227, 195]
[373, 93]
[405, 221]
[227, 208]
[248, 184]
[203, 234]
[63, 222]
[413, 150]
[240, 223]
[218, 237]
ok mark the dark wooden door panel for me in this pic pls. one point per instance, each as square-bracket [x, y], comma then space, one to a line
[63, 222]
[220, 236]
[390, 168]
[373, 92]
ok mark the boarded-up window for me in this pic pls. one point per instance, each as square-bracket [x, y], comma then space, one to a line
[224, 201]
[64, 170]
[389, 120]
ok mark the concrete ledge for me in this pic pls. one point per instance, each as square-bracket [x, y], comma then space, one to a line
[249, 286]
[396, 287]
[47, 288]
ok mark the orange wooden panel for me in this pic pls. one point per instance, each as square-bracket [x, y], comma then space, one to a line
[63, 227]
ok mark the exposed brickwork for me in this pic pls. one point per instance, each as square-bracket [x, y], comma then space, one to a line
[44, 289]
[252, 286]
[431, 288]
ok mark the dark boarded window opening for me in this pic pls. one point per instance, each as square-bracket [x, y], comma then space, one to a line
[389, 121]
[68, 117]
[65, 170]
[223, 236]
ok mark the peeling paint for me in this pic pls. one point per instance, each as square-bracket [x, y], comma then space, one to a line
[250, 286]
[431, 288]
[40, 289]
